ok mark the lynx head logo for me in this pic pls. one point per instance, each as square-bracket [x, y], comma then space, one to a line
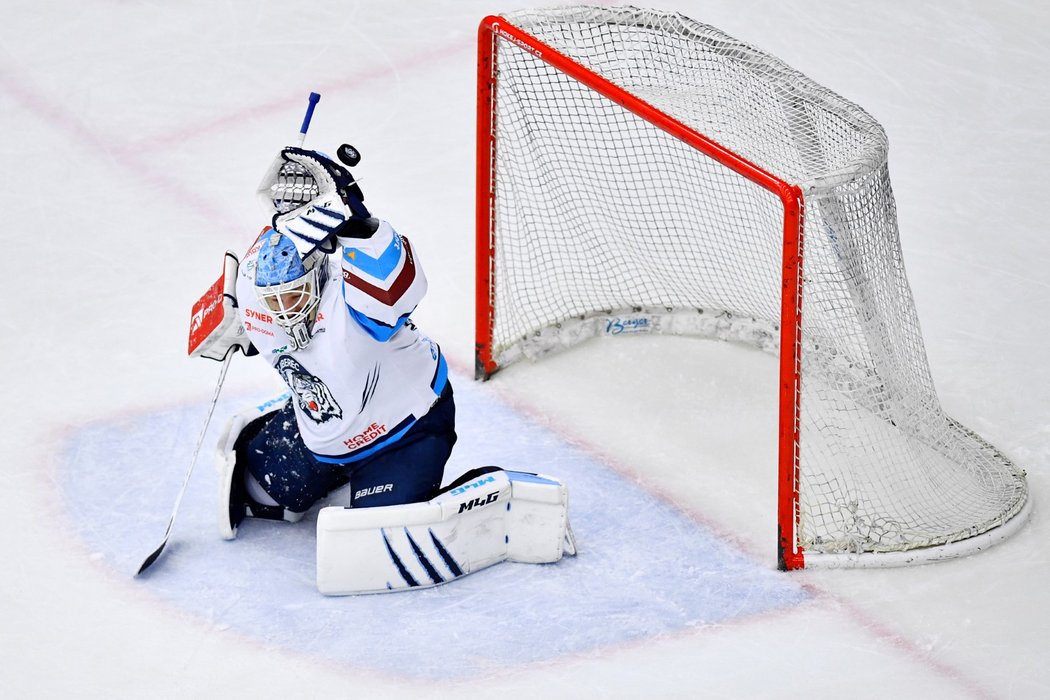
[315, 399]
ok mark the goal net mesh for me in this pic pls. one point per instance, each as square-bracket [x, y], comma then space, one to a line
[604, 223]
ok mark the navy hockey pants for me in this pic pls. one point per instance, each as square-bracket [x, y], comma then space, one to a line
[408, 471]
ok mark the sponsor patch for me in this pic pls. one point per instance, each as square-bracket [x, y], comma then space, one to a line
[364, 437]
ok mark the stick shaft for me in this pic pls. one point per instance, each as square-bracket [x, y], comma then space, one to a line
[314, 98]
[193, 463]
[204, 430]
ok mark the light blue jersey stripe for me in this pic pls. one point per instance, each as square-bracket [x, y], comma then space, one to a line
[380, 268]
[440, 375]
[379, 331]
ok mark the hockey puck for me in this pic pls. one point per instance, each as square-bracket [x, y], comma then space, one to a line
[349, 155]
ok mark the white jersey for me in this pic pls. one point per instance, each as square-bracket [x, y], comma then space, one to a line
[367, 374]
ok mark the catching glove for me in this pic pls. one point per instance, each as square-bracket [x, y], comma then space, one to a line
[309, 197]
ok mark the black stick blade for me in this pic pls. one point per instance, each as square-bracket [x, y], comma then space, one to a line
[152, 557]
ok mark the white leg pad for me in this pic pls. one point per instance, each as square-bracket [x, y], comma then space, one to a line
[226, 462]
[498, 516]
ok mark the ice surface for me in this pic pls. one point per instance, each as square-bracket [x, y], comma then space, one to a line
[645, 569]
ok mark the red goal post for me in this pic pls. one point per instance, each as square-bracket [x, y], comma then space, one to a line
[574, 30]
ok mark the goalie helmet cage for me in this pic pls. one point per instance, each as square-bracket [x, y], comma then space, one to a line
[641, 172]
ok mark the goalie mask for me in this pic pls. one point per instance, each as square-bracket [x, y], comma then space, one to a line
[289, 285]
[309, 196]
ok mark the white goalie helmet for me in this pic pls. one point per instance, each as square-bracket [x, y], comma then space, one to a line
[289, 285]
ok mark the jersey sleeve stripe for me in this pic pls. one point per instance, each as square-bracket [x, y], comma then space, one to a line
[380, 267]
[379, 331]
[400, 285]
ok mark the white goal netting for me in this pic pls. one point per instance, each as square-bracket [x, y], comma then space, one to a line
[605, 223]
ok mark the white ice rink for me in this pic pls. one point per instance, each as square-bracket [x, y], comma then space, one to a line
[133, 136]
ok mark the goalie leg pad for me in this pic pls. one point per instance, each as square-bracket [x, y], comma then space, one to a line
[538, 529]
[496, 516]
[234, 502]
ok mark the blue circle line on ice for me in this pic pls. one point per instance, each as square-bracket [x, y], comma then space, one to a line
[644, 569]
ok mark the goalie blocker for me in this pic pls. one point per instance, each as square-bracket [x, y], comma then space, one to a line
[486, 516]
[215, 329]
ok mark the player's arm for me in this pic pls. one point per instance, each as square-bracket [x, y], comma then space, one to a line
[383, 281]
[317, 203]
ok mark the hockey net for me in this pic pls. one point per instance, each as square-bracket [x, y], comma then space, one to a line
[641, 172]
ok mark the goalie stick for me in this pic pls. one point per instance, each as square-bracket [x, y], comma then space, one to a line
[213, 316]
[193, 462]
[215, 333]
